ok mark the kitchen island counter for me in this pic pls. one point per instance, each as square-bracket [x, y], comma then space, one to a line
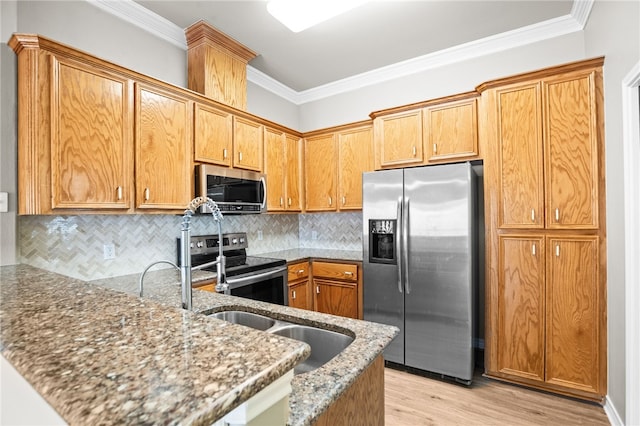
[312, 393]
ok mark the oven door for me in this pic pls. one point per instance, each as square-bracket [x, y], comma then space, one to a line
[266, 285]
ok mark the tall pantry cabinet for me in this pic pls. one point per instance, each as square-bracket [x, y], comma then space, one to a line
[545, 201]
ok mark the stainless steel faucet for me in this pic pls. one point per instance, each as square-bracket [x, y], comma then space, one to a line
[185, 254]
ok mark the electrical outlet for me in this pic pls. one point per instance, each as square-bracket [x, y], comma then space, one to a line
[259, 235]
[314, 235]
[109, 251]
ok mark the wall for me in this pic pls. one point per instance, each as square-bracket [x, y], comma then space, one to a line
[613, 31]
[8, 102]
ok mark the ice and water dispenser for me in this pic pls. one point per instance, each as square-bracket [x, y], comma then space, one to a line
[382, 241]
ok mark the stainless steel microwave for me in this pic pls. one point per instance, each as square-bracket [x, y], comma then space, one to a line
[234, 191]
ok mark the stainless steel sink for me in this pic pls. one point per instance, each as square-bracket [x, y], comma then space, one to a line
[325, 344]
[245, 318]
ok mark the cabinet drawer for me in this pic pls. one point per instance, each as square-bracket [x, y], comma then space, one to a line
[339, 271]
[298, 271]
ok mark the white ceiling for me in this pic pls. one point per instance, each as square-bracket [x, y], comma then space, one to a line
[364, 40]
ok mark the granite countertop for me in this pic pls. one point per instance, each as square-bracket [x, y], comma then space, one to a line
[296, 254]
[158, 311]
[100, 356]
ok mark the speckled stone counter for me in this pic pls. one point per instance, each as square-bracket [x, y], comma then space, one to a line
[312, 392]
[293, 255]
[100, 356]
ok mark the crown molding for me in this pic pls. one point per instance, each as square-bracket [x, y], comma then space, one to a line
[162, 28]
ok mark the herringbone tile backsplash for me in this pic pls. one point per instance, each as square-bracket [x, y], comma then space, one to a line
[73, 245]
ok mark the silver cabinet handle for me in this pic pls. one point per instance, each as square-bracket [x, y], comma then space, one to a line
[330, 200]
[224, 154]
[557, 250]
[119, 192]
[557, 215]
[293, 294]
[435, 148]
[415, 151]
[240, 156]
[398, 246]
[533, 249]
[344, 200]
[348, 273]
[146, 194]
[317, 289]
[533, 215]
[281, 201]
[289, 201]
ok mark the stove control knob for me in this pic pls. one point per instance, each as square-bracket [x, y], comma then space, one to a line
[199, 244]
[191, 245]
[234, 241]
[241, 240]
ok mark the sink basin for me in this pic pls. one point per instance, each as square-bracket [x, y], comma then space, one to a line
[245, 318]
[325, 344]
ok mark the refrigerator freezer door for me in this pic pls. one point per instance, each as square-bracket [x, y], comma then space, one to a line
[438, 306]
[383, 296]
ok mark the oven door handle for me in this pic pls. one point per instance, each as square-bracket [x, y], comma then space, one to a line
[252, 279]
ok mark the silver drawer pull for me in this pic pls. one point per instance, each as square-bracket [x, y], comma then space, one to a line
[348, 274]
[300, 271]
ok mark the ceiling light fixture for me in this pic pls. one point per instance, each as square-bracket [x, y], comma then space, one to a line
[298, 15]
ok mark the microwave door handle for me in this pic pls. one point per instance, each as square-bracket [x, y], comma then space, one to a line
[254, 278]
[398, 244]
[263, 182]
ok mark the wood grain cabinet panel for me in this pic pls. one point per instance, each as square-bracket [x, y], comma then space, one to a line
[354, 158]
[283, 167]
[247, 144]
[573, 322]
[299, 285]
[320, 159]
[213, 135]
[521, 306]
[398, 139]
[451, 130]
[163, 149]
[91, 138]
[336, 298]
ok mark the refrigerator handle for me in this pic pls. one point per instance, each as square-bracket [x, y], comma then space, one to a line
[399, 244]
[405, 243]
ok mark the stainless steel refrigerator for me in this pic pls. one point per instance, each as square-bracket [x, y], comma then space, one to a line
[420, 254]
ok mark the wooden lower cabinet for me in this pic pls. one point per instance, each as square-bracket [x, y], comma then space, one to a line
[299, 285]
[336, 298]
[362, 404]
[550, 312]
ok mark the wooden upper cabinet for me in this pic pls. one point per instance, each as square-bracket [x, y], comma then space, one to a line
[295, 172]
[571, 150]
[248, 141]
[163, 149]
[521, 307]
[213, 135]
[354, 158]
[282, 165]
[451, 130]
[91, 138]
[320, 157]
[398, 139]
[520, 157]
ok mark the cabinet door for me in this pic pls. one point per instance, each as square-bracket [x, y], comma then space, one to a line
[294, 170]
[451, 130]
[212, 135]
[163, 149]
[354, 158]
[274, 161]
[398, 139]
[521, 307]
[320, 179]
[299, 295]
[247, 144]
[336, 298]
[91, 138]
[571, 149]
[520, 156]
[573, 313]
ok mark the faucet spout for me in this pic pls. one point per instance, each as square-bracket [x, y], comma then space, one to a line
[185, 251]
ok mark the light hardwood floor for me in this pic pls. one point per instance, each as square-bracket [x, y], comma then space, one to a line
[412, 400]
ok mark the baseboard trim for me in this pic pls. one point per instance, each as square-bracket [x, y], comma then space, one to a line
[612, 413]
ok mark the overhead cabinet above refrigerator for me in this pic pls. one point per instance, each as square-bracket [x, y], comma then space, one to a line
[420, 271]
